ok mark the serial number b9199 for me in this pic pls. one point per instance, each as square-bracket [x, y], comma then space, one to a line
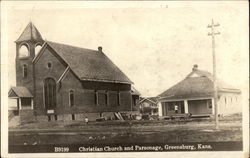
[61, 149]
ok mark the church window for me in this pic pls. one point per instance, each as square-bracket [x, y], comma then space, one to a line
[118, 98]
[106, 98]
[25, 71]
[96, 98]
[23, 51]
[71, 98]
[49, 93]
[38, 48]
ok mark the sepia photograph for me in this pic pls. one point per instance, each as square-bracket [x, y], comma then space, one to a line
[164, 78]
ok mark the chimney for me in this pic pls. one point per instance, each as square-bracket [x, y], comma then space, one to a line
[100, 49]
[195, 67]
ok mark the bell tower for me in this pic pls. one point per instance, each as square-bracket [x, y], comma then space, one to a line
[27, 47]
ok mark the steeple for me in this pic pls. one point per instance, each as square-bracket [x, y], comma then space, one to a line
[30, 33]
[27, 46]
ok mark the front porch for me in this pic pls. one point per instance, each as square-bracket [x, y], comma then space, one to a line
[195, 107]
[24, 104]
[24, 99]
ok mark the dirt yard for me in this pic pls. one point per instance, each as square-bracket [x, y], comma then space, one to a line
[77, 132]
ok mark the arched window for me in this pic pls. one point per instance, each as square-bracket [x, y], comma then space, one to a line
[71, 98]
[23, 51]
[50, 93]
[38, 48]
[25, 71]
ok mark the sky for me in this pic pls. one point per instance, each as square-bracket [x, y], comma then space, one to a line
[155, 44]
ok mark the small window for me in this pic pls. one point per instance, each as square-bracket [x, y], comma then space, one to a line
[56, 117]
[49, 65]
[73, 117]
[25, 71]
[71, 98]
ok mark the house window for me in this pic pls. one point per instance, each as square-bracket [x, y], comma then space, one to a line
[71, 98]
[25, 71]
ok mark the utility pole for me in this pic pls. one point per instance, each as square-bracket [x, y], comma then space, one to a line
[212, 34]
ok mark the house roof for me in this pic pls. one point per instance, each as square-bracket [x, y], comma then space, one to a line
[198, 86]
[91, 65]
[30, 33]
[151, 99]
[20, 92]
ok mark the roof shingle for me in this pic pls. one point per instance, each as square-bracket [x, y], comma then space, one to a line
[30, 33]
[196, 87]
[21, 92]
[89, 64]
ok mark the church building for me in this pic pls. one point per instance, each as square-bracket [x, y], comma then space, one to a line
[56, 81]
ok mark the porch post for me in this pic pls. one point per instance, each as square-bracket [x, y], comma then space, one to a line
[31, 103]
[20, 105]
[185, 106]
[213, 107]
[160, 112]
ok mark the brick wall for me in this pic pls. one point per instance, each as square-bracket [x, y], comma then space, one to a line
[84, 91]
[42, 72]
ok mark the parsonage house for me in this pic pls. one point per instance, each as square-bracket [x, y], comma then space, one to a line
[148, 105]
[61, 82]
[194, 95]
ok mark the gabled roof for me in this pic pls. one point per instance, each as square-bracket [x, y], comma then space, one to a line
[20, 92]
[90, 65]
[196, 87]
[151, 99]
[30, 33]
